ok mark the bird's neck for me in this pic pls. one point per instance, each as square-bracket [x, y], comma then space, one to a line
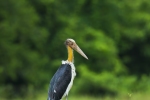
[70, 54]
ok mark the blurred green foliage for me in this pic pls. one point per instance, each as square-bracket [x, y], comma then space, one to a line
[115, 35]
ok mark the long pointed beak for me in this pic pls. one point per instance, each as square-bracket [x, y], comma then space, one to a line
[77, 48]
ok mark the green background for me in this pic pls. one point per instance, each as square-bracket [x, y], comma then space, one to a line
[114, 34]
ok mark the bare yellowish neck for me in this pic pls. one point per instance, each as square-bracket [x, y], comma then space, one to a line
[70, 54]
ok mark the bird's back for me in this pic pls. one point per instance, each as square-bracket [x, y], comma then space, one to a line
[59, 82]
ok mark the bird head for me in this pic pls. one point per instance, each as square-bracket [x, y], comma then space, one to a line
[71, 43]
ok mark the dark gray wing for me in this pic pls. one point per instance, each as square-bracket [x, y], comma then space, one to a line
[59, 82]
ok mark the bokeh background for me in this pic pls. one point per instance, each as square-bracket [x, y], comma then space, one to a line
[114, 34]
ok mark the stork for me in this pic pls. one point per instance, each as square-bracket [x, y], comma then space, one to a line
[62, 80]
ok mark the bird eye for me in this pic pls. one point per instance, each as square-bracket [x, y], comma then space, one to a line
[71, 43]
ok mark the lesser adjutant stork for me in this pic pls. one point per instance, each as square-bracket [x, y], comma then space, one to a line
[62, 80]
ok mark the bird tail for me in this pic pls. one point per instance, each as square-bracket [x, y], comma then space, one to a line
[53, 98]
[49, 98]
